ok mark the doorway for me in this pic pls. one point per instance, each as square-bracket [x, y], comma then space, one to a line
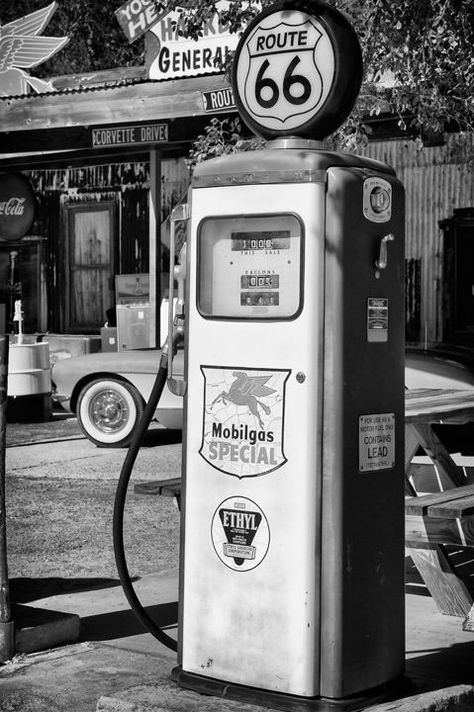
[90, 264]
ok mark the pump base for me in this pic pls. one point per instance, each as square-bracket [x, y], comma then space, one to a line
[282, 701]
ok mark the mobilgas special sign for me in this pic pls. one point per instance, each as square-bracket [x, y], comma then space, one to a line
[243, 420]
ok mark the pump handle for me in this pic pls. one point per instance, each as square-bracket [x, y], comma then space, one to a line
[381, 262]
[176, 323]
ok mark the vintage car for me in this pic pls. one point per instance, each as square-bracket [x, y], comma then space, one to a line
[108, 391]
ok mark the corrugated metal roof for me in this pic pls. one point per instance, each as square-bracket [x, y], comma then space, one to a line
[107, 85]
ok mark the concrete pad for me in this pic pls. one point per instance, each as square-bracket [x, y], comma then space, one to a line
[72, 678]
[41, 629]
[105, 614]
[123, 668]
[450, 699]
[163, 696]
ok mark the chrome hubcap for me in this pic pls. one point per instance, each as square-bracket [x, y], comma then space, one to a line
[108, 411]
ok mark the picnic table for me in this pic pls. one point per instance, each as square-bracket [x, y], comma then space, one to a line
[440, 523]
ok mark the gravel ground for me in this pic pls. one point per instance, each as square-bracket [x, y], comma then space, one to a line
[60, 492]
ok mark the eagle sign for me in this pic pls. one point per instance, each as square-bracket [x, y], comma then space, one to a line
[21, 48]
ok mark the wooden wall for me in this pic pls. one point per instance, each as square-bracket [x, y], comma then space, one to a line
[437, 180]
[125, 183]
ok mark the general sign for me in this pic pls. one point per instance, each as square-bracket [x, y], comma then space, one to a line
[297, 71]
[129, 135]
[179, 56]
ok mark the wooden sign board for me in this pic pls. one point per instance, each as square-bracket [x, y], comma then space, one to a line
[136, 17]
[130, 135]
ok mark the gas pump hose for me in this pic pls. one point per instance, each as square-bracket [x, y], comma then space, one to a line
[120, 496]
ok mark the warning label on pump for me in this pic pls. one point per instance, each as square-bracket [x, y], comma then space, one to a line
[243, 420]
[376, 442]
[377, 319]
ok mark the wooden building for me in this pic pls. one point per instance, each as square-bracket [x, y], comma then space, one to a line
[105, 158]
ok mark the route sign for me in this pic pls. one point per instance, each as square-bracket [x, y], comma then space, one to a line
[297, 71]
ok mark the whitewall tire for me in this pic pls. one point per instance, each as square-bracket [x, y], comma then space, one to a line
[108, 411]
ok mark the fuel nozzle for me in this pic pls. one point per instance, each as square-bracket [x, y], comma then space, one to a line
[176, 322]
[179, 318]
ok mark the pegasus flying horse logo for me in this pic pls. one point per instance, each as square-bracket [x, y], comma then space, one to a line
[242, 430]
[244, 391]
[21, 48]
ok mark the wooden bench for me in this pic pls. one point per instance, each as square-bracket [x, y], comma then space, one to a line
[438, 527]
[166, 488]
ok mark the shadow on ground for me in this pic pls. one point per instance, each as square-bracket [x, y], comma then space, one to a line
[123, 624]
[64, 426]
[25, 590]
[159, 436]
[434, 669]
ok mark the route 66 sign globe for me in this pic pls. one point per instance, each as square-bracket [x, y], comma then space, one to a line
[297, 70]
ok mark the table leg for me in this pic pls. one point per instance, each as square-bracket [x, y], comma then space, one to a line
[446, 588]
[450, 475]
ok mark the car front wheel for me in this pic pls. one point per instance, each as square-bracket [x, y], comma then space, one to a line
[108, 411]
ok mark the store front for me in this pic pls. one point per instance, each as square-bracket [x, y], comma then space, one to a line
[105, 158]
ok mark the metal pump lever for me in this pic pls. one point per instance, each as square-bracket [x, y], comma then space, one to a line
[176, 324]
[381, 262]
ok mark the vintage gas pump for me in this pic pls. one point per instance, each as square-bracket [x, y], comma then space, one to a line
[292, 566]
[292, 563]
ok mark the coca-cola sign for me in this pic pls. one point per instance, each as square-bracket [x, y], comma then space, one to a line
[17, 206]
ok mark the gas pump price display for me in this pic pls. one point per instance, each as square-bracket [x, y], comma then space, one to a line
[253, 271]
[265, 240]
[260, 241]
[297, 71]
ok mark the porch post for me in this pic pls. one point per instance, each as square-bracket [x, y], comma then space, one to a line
[154, 222]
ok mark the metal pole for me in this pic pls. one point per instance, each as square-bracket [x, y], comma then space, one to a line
[7, 626]
[154, 249]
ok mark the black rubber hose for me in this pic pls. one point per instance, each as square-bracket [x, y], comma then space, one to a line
[120, 496]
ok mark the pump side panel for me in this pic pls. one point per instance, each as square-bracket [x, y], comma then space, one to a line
[254, 622]
[362, 636]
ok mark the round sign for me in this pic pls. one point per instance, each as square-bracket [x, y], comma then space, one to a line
[240, 533]
[17, 206]
[297, 70]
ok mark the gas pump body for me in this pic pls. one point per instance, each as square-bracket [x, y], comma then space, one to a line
[292, 563]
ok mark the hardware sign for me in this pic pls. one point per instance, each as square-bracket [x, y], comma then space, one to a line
[297, 71]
